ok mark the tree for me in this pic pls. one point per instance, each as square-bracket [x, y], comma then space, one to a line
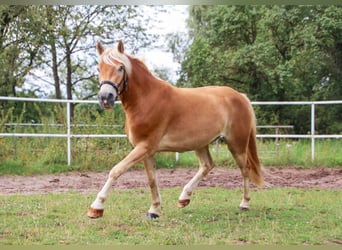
[17, 57]
[269, 52]
[329, 35]
[70, 36]
[56, 45]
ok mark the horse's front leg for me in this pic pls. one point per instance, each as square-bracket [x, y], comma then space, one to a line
[150, 167]
[206, 164]
[135, 156]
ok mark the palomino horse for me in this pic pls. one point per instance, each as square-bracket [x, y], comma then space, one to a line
[161, 117]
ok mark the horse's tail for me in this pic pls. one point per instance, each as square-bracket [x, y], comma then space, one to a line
[253, 163]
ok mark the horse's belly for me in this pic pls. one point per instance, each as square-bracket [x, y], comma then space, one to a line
[182, 142]
[195, 128]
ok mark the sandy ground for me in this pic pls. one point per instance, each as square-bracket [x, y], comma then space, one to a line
[317, 178]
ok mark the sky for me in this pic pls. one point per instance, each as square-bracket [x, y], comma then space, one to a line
[172, 21]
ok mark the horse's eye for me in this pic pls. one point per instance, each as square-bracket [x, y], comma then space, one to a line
[121, 68]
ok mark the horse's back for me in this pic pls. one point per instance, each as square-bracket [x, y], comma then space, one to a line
[224, 99]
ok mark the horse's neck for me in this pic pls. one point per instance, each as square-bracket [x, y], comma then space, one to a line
[142, 85]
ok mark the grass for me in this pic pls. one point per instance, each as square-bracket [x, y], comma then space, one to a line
[286, 153]
[28, 156]
[277, 217]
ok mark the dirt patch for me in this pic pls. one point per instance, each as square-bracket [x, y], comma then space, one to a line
[320, 178]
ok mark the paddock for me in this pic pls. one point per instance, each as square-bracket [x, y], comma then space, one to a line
[287, 214]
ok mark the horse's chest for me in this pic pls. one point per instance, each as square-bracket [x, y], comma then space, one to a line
[143, 132]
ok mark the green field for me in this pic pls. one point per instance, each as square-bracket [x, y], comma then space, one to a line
[277, 217]
[27, 156]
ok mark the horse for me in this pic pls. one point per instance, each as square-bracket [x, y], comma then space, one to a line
[162, 117]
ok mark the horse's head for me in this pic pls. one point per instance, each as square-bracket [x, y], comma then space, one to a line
[114, 68]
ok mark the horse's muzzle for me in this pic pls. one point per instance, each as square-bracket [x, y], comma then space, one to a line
[107, 100]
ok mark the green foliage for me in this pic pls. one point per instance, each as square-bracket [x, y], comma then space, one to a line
[59, 41]
[18, 45]
[272, 53]
[278, 217]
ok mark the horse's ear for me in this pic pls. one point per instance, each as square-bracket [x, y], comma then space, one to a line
[99, 48]
[121, 48]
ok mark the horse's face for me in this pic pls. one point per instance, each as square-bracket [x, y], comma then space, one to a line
[112, 77]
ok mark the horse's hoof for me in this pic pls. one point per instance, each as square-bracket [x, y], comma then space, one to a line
[152, 216]
[244, 208]
[94, 213]
[183, 203]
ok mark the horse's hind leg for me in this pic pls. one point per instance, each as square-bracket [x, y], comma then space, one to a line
[150, 167]
[206, 164]
[238, 148]
[241, 160]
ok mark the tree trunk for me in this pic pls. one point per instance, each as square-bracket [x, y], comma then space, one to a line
[69, 78]
[52, 43]
[56, 79]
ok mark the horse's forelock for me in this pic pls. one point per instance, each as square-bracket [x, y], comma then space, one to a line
[110, 55]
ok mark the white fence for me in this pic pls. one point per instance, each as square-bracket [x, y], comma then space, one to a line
[68, 135]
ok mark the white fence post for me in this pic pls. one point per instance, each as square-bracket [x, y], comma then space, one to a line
[312, 132]
[68, 133]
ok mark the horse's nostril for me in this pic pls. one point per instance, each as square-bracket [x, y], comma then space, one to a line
[103, 99]
[110, 96]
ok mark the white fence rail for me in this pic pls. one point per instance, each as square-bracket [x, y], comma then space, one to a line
[69, 135]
